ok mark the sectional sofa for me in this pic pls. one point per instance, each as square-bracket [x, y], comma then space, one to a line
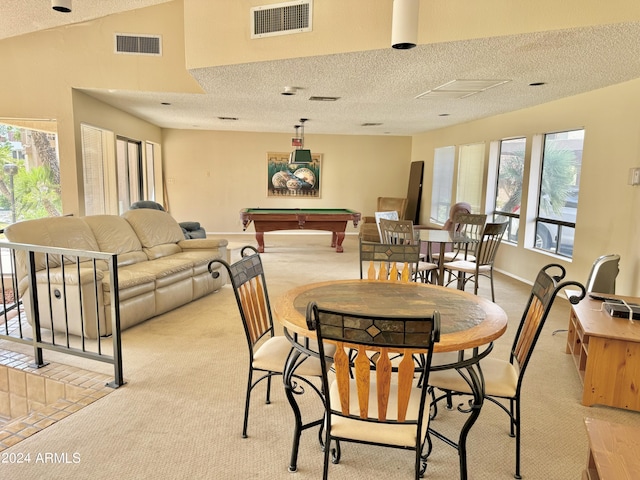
[158, 269]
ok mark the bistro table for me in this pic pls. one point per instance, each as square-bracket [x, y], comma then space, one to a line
[442, 237]
[468, 325]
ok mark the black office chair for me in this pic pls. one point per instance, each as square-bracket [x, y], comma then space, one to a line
[189, 229]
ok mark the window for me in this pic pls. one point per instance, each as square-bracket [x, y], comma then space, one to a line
[117, 172]
[469, 183]
[29, 171]
[508, 194]
[442, 188]
[470, 175]
[558, 192]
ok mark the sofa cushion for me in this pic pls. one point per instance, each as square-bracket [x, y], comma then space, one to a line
[155, 230]
[166, 270]
[62, 232]
[115, 235]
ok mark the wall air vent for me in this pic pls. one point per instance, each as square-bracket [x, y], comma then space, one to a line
[281, 18]
[138, 44]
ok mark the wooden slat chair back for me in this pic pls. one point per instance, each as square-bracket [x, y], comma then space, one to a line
[249, 284]
[388, 262]
[375, 399]
[503, 378]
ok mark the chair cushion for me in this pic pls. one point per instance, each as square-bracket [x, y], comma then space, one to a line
[272, 354]
[466, 266]
[384, 433]
[500, 377]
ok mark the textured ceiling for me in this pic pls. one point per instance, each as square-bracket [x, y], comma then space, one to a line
[18, 17]
[381, 86]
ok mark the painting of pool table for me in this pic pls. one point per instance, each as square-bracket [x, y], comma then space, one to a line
[333, 220]
[293, 180]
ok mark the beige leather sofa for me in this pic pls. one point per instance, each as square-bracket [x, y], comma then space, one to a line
[158, 269]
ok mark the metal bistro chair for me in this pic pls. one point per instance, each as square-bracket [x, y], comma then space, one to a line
[485, 255]
[503, 378]
[469, 225]
[370, 401]
[267, 352]
[402, 232]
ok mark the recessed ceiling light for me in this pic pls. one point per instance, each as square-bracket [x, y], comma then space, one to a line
[323, 99]
[444, 114]
[165, 103]
[537, 84]
[228, 118]
[370, 124]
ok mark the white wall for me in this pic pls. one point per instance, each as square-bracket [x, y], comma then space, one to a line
[210, 176]
[608, 208]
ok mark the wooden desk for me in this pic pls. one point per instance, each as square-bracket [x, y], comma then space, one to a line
[606, 351]
[614, 451]
[467, 322]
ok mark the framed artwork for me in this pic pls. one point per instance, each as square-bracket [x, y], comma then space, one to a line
[293, 180]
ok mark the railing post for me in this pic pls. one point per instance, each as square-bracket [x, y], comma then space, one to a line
[35, 310]
[115, 323]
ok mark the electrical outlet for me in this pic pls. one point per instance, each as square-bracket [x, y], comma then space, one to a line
[634, 176]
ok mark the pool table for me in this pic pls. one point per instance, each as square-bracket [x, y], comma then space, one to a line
[271, 219]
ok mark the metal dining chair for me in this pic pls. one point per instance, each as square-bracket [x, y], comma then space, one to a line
[268, 352]
[398, 232]
[485, 254]
[503, 378]
[469, 225]
[375, 399]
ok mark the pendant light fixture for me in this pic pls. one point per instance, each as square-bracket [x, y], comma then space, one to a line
[300, 154]
[63, 6]
[404, 25]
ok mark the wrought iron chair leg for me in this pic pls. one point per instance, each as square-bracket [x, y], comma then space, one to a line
[247, 402]
[336, 453]
[512, 432]
[493, 297]
[268, 399]
[517, 422]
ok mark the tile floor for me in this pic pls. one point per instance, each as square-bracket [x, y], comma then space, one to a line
[32, 399]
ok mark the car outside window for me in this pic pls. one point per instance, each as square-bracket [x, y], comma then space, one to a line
[558, 192]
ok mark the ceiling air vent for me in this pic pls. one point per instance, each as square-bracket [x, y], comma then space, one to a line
[139, 44]
[281, 19]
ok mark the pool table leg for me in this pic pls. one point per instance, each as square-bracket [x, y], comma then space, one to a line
[260, 240]
[336, 241]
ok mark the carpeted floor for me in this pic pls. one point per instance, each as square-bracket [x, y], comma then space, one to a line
[180, 414]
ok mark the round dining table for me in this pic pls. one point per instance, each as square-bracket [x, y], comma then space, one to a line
[468, 326]
[442, 238]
